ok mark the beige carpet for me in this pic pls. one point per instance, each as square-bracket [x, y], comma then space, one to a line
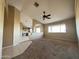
[50, 49]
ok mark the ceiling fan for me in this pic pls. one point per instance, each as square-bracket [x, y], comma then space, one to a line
[46, 16]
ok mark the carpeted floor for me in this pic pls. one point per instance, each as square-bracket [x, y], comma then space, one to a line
[50, 49]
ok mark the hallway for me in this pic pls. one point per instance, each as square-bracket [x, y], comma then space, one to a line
[50, 49]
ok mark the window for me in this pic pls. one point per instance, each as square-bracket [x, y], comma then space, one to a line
[61, 28]
[38, 30]
[31, 30]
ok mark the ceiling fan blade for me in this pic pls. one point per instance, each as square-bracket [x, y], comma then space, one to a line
[44, 12]
[43, 18]
[46, 16]
[49, 18]
[49, 15]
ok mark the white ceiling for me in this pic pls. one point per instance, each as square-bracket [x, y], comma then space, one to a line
[59, 9]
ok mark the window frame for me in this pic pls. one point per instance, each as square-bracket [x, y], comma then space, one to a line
[53, 28]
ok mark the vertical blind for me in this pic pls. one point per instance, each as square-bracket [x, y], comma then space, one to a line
[61, 28]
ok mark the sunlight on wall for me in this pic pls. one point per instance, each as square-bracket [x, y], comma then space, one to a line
[77, 16]
[1, 24]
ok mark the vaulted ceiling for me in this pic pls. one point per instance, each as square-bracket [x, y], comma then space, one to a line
[59, 9]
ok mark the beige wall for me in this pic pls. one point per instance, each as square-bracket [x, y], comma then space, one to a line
[70, 35]
[77, 16]
[8, 27]
[17, 34]
[11, 27]
[2, 2]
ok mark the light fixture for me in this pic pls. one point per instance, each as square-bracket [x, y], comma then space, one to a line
[36, 4]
